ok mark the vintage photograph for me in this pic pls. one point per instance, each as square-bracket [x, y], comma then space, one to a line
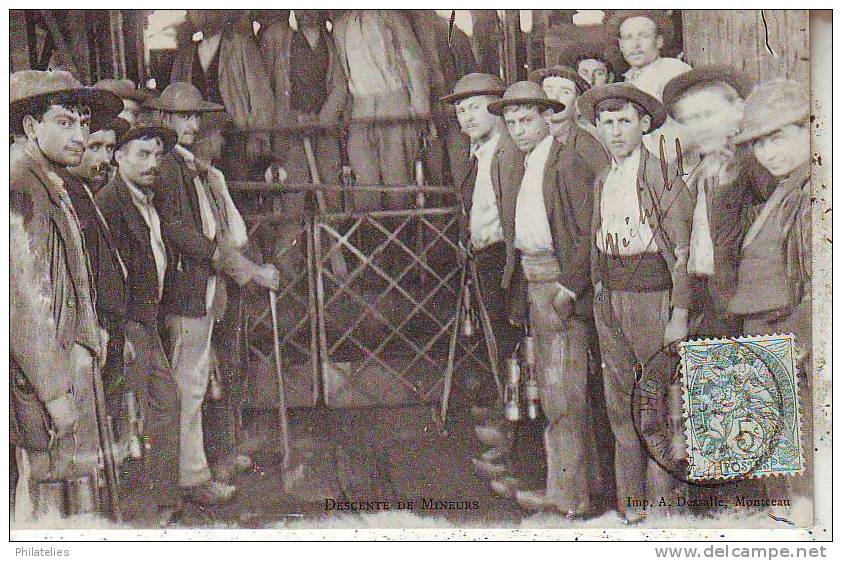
[354, 268]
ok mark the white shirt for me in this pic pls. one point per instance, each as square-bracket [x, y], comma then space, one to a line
[143, 203]
[485, 216]
[532, 229]
[621, 213]
[365, 48]
[654, 76]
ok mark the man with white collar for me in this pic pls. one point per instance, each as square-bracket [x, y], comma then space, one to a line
[546, 207]
[481, 231]
[193, 220]
[640, 243]
[126, 205]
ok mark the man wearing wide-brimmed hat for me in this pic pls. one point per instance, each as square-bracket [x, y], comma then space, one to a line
[774, 292]
[707, 103]
[132, 96]
[193, 219]
[546, 206]
[54, 112]
[595, 62]
[482, 234]
[640, 242]
[126, 205]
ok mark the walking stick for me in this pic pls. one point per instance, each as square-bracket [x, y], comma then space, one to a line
[420, 202]
[337, 261]
[282, 407]
[106, 441]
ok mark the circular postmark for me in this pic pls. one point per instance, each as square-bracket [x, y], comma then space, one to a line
[710, 412]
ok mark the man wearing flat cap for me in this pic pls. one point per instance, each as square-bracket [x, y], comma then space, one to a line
[774, 292]
[194, 221]
[135, 226]
[546, 206]
[108, 270]
[133, 98]
[55, 113]
[640, 242]
[707, 103]
[481, 234]
[596, 63]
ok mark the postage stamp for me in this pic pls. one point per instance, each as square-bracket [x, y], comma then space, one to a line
[742, 409]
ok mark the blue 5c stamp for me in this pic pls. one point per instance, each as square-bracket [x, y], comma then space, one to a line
[741, 405]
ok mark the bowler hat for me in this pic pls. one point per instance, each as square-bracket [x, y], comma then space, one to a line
[168, 136]
[524, 93]
[182, 97]
[124, 88]
[539, 75]
[572, 53]
[29, 90]
[475, 83]
[770, 106]
[624, 92]
[676, 87]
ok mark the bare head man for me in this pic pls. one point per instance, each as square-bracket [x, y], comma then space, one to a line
[640, 41]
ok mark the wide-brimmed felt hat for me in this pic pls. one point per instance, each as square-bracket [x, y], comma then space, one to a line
[712, 73]
[124, 88]
[182, 97]
[773, 105]
[572, 53]
[168, 136]
[475, 83]
[626, 92]
[538, 76]
[524, 93]
[29, 90]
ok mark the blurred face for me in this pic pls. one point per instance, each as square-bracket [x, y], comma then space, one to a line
[208, 146]
[594, 72]
[97, 158]
[622, 131]
[527, 126]
[474, 119]
[563, 90]
[708, 118]
[60, 134]
[138, 161]
[784, 150]
[186, 124]
[639, 41]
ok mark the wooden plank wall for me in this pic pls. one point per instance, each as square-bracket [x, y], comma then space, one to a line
[739, 38]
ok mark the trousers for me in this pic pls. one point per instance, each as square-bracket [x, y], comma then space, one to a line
[561, 362]
[631, 327]
[190, 338]
[149, 376]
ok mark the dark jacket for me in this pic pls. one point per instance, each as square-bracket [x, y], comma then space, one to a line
[668, 206]
[568, 198]
[181, 225]
[131, 236]
[37, 193]
[105, 260]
